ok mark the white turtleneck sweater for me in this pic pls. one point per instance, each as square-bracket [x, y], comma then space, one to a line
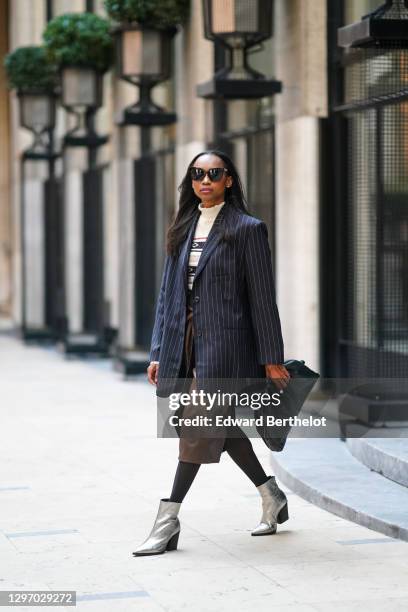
[203, 227]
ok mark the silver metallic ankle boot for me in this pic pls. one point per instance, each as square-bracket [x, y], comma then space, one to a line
[274, 508]
[165, 533]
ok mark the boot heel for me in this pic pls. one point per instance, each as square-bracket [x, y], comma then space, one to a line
[172, 543]
[283, 514]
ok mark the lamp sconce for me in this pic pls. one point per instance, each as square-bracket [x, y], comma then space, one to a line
[81, 94]
[238, 25]
[37, 114]
[143, 58]
[388, 24]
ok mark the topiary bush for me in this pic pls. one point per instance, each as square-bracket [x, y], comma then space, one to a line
[28, 70]
[158, 14]
[79, 39]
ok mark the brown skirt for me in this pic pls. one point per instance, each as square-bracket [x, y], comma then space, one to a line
[196, 445]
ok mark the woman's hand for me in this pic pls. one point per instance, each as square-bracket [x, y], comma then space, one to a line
[152, 373]
[279, 374]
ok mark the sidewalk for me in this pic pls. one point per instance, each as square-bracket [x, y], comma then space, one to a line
[81, 474]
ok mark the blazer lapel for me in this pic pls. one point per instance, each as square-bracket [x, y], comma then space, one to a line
[185, 251]
[213, 238]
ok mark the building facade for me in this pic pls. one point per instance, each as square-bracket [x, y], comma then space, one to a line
[291, 152]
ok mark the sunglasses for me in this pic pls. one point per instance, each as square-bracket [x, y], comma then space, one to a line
[214, 174]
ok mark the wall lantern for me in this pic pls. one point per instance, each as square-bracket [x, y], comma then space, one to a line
[384, 26]
[143, 58]
[81, 94]
[81, 46]
[37, 114]
[34, 79]
[238, 25]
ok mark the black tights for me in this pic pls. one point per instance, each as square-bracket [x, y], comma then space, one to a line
[239, 449]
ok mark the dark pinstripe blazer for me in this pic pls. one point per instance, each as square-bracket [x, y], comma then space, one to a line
[235, 317]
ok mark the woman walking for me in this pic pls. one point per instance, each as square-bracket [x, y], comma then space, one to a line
[216, 318]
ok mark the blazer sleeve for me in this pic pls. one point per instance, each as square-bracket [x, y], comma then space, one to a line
[261, 294]
[159, 317]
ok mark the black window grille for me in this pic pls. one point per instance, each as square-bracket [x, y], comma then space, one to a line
[375, 105]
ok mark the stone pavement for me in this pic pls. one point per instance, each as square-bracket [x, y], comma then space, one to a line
[81, 474]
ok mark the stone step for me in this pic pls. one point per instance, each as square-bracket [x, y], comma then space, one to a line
[387, 456]
[324, 472]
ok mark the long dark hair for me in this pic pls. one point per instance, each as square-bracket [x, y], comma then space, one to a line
[188, 202]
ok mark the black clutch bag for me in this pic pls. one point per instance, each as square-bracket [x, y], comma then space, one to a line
[292, 398]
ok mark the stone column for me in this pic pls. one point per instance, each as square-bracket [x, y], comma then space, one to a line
[194, 61]
[26, 23]
[6, 239]
[300, 32]
[75, 165]
[125, 147]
